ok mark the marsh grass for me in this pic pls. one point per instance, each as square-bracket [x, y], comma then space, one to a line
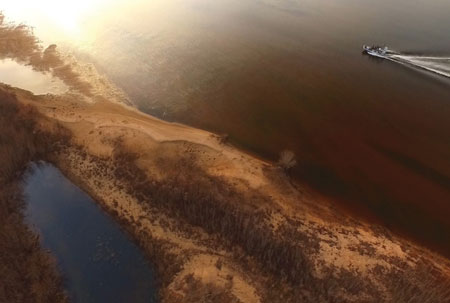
[284, 259]
[18, 42]
[27, 273]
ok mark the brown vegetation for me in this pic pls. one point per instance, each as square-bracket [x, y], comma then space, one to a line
[27, 273]
[18, 42]
[287, 160]
[283, 259]
[207, 217]
[198, 292]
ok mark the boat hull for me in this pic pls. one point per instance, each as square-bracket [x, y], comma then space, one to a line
[378, 52]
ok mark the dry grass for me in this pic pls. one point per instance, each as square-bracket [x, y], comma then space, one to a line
[279, 262]
[198, 292]
[18, 42]
[284, 259]
[27, 273]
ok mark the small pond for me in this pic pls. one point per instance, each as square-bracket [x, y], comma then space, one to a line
[23, 76]
[99, 262]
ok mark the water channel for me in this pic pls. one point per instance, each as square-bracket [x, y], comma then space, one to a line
[99, 261]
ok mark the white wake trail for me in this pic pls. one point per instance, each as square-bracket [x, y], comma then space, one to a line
[438, 65]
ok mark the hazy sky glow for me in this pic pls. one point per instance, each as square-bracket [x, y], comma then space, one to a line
[64, 18]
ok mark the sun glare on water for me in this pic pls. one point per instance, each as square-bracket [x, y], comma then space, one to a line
[64, 17]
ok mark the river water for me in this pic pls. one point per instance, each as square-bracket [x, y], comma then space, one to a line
[373, 135]
[98, 260]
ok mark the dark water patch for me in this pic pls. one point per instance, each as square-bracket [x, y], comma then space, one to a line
[421, 169]
[99, 262]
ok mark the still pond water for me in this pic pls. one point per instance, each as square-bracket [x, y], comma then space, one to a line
[99, 262]
[17, 75]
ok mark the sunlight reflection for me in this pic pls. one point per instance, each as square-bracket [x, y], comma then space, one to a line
[66, 17]
[78, 22]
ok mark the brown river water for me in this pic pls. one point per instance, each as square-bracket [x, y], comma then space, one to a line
[371, 134]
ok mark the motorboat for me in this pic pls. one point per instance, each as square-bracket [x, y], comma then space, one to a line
[377, 51]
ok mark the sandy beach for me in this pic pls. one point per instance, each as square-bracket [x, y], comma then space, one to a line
[138, 168]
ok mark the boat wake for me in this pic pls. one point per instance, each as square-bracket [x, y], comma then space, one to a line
[438, 65]
[435, 64]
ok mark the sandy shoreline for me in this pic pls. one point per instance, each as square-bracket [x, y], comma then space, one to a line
[194, 255]
[219, 224]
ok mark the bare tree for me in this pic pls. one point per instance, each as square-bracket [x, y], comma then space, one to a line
[223, 138]
[287, 160]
